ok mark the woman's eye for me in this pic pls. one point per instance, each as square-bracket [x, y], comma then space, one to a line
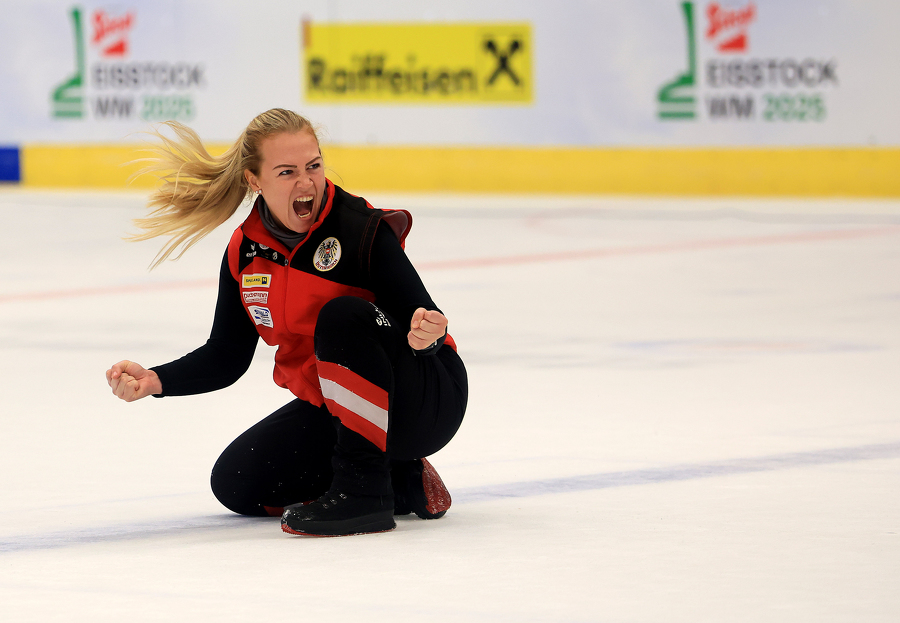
[285, 172]
[315, 166]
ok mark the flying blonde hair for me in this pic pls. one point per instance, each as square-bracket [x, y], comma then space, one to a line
[198, 192]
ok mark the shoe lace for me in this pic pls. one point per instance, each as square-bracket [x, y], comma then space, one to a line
[332, 500]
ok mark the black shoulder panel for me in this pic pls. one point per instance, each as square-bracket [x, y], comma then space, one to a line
[250, 250]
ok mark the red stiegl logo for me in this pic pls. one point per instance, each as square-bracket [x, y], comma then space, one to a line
[728, 27]
[111, 32]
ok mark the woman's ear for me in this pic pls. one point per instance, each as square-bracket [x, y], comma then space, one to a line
[251, 179]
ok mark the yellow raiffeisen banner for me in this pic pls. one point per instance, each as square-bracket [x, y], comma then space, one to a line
[456, 63]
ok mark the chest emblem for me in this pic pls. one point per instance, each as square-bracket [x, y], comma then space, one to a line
[327, 255]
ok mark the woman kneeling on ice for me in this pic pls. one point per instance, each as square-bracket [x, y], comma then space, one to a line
[361, 345]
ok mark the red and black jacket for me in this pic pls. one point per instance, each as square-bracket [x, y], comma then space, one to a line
[283, 290]
[372, 265]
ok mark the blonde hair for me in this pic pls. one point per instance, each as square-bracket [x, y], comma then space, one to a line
[198, 192]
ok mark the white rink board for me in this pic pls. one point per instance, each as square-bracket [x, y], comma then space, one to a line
[598, 72]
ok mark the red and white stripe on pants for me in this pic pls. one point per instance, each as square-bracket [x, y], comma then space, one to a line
[361, 406]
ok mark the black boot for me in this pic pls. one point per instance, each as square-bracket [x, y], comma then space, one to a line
[359, 500]
[339, 514]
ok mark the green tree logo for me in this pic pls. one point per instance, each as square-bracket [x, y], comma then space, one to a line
[676, 98]
[68, 97]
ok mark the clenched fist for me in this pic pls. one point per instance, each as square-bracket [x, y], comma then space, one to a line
[426, 328]
[129, 381]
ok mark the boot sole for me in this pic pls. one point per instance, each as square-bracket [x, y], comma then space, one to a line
[368, 524]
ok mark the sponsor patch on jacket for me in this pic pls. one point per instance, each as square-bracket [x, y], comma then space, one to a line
[255, 249]
[380, 319]
[256, 280]
[261, 315]
[327, 255]
[256, 297]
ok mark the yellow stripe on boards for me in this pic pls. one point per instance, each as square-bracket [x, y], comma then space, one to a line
[88, 166]
[812, 172]
[78, 166]
[754, 172]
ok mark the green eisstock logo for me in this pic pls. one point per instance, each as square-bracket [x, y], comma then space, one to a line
[677, 99]
[68, 97]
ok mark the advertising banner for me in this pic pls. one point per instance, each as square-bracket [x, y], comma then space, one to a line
[417, 63]
[733, 81]
[95, 72]
[581, 74]
[115, 85]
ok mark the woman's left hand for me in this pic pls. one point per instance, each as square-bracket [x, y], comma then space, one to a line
[426, 328]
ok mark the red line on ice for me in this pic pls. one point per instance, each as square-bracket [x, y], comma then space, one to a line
[108, 290]
[693, 245]
[508, 260]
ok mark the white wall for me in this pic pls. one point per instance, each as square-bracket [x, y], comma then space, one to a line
[598, 68]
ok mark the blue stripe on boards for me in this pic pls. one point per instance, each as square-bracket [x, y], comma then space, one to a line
[10, 171]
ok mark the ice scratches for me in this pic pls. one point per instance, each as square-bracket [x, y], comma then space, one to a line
[714, 347]
[45, 342]
[799, 211]
[557, 351]
[676, 473]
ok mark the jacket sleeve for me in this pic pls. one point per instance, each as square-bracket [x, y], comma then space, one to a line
[398, 289]
[227, 354]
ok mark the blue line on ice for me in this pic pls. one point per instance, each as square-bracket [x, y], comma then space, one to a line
[656, 475]
[569, 484]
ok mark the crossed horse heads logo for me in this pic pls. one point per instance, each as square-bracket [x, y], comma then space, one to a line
[503, 60]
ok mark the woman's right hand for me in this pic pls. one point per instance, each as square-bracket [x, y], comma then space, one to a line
[129, 381]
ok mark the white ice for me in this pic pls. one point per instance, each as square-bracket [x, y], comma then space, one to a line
[680, 411]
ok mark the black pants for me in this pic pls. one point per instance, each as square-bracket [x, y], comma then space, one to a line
[295, 454]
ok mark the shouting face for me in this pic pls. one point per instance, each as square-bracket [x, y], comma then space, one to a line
[292, 179]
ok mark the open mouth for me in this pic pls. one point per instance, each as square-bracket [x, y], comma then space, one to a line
[303, 206]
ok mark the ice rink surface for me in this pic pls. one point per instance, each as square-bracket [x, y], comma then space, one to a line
[680, 411]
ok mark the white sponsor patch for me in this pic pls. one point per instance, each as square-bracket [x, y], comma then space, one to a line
[381, 320]
[256, 297]
[327, 255]
[256, 280]
[261, 315]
